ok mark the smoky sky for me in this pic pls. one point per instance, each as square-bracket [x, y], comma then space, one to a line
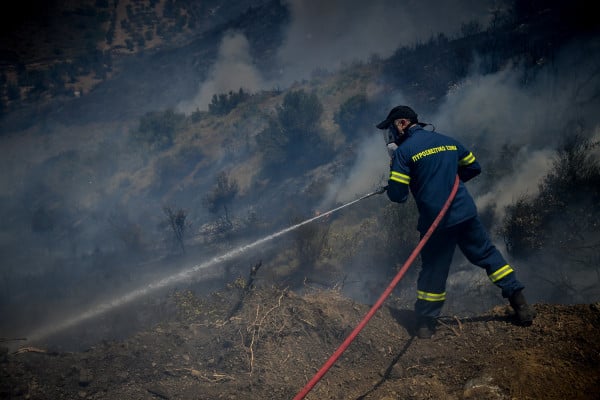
[326, 35]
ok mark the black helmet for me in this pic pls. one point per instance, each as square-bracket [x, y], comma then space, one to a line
[397, 113]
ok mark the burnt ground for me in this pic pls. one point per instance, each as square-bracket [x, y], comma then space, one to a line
[268, 343]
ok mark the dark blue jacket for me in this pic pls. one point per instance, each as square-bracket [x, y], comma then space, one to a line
[427, 162]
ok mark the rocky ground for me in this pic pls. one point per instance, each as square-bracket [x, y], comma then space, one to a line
[268, 343]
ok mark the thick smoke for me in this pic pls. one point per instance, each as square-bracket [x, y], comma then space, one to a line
[532, 167]
[368, 172]
[232, 70]
[327, 35]
[489, 111]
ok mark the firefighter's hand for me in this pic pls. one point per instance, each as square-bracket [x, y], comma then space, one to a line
[381, 190]
[391, 148]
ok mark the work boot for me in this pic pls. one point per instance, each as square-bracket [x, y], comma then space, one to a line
[425, 327]
[524, 312]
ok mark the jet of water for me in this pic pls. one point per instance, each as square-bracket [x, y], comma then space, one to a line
[170, 280]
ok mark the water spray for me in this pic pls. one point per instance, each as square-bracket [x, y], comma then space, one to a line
[175, 278]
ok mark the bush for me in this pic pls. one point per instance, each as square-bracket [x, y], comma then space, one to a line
[294, 136]
[272, 142]
[223, 104]
[299, 117]
[221, 195]
[158, 129]
[568, 203]
[398, 230]
[176, 221]
[522, 227]
[354, 114]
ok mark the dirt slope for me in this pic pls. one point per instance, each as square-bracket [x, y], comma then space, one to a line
[268, 343]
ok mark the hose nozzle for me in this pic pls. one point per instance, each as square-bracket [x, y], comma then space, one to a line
[381, 190]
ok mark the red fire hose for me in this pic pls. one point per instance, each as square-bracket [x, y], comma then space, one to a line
[381, 299]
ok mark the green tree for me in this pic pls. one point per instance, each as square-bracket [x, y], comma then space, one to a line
[293, 136]
[158, 129]
[273, 142]
[299, 117]
[355, 114]
[223, 104]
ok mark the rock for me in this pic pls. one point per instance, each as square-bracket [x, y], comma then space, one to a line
[123, 375]
[158, 391]
[482, 388]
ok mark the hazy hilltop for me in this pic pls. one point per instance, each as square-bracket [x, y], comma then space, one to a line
[124, 51]
[145, 143]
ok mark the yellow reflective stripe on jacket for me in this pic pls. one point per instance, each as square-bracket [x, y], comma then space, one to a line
[398, 177]
[421, 295]
[469, 159]
[500, 273]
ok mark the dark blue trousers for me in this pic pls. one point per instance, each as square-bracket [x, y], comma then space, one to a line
[474, 242]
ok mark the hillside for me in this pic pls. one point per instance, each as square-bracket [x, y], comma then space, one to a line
[269, 343]
[120, 193]
[52, 53]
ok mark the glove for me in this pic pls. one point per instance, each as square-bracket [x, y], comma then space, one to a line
[381, 190]
[391, 148]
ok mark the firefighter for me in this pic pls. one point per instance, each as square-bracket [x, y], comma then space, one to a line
[426, 163]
